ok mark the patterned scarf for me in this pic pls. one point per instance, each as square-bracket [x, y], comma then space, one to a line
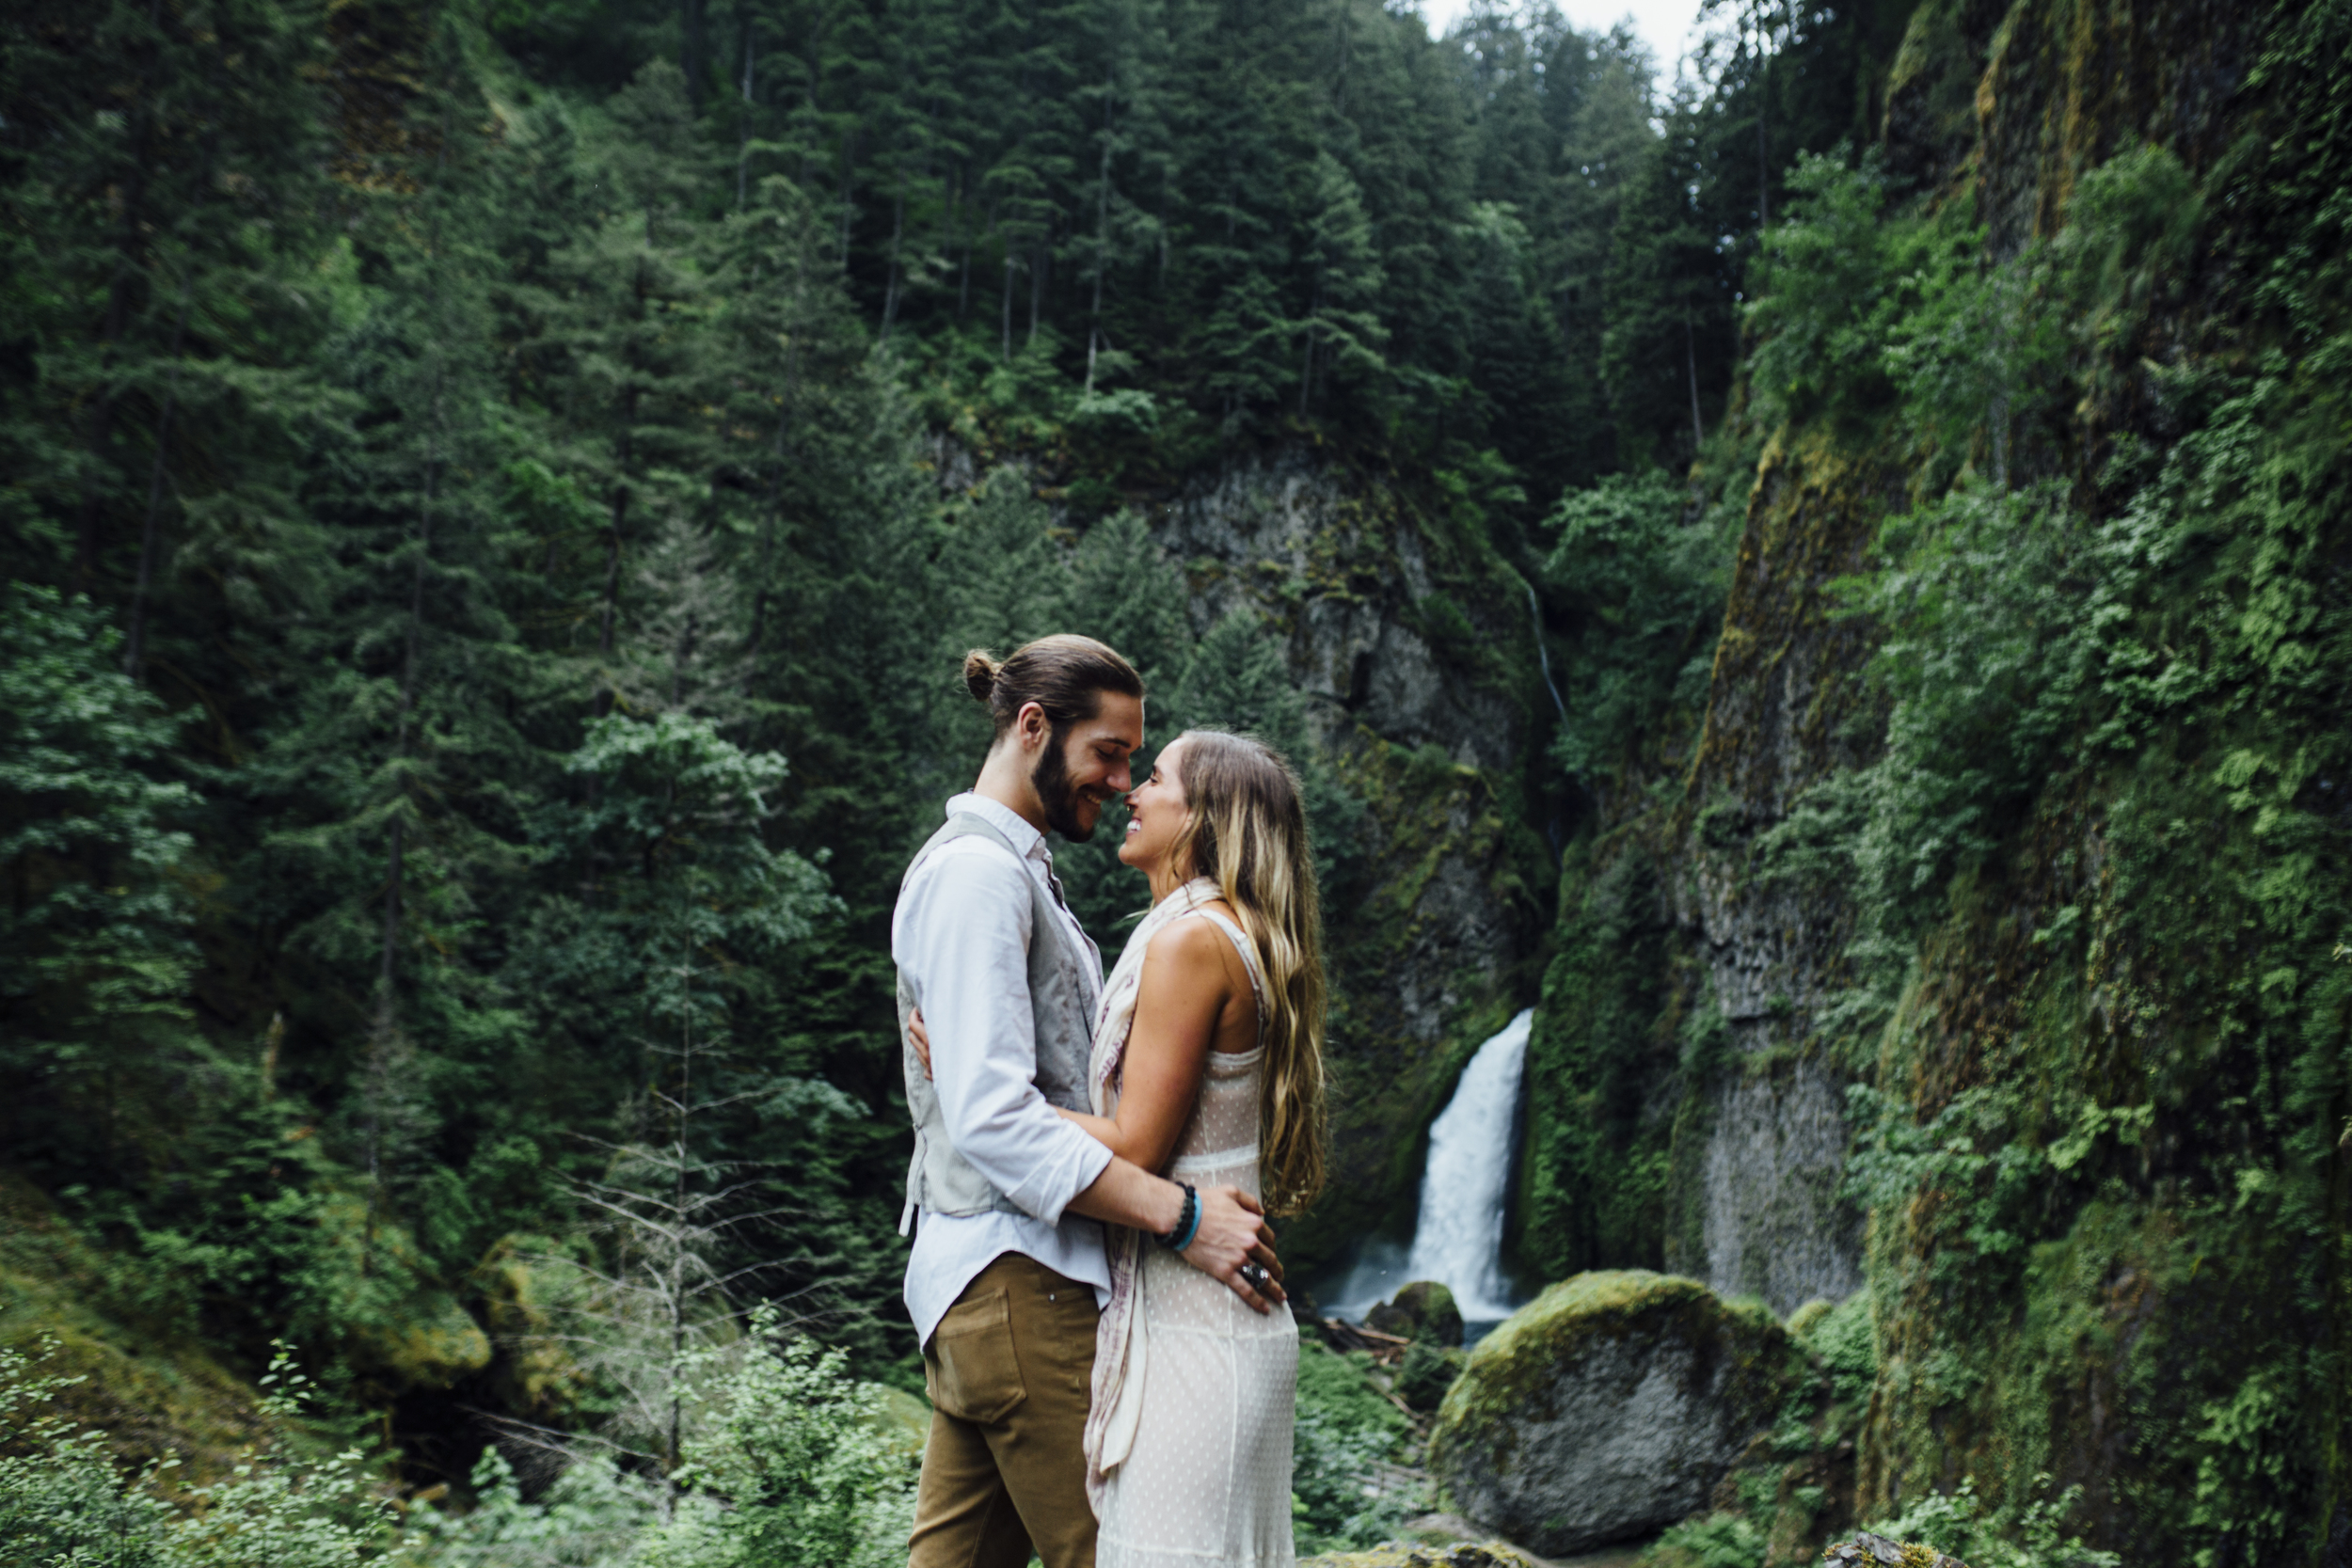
[1119, 1340]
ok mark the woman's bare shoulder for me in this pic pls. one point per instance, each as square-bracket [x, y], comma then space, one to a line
[1187, 944]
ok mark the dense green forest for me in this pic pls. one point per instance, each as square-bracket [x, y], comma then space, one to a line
[1825, 572]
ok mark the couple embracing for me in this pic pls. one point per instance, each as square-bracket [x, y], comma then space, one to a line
[1111, 1360]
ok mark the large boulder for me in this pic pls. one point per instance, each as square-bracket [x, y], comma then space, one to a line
[1608, 1408]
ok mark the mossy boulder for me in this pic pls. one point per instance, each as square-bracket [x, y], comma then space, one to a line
[1608, 1408]
[1423, 1310]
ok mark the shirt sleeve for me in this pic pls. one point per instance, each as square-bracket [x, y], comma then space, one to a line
[962, 938]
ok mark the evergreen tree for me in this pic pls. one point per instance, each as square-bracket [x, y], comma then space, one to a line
[94, 950]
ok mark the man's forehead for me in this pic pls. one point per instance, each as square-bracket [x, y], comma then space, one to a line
[1119, 718]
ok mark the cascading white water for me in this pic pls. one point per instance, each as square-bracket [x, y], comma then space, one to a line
[1458, 1241]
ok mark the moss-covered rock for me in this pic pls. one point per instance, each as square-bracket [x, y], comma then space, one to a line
[1423, 1310]
[1608, 1408]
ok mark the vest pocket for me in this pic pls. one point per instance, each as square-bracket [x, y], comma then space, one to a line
[972, 1373]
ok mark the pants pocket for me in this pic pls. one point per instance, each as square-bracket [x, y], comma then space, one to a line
[972, 1372]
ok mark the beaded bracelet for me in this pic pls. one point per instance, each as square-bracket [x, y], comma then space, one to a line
[1187, 1224]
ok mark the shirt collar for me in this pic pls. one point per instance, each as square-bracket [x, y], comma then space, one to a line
[1006, 821]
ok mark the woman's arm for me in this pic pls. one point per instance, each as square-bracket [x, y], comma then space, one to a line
[1184, 993]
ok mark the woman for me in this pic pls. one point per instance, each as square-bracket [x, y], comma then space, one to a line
[1208, 1067]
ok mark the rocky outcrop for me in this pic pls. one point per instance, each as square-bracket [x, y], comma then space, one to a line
[1608, 1408]
[1412, 645]
[1770, 1137]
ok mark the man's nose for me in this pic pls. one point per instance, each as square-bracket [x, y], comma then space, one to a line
[1122, 780]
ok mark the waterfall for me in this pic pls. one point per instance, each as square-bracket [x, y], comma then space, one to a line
[1543, 655]
[1459, 1240]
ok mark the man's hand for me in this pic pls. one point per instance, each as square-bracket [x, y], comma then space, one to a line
[1233, 1235]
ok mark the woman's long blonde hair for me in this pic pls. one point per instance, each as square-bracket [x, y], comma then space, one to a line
[1246, 829]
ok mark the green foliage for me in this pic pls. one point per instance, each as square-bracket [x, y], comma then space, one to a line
[1599, 1161]
[1843, 1339]
[672, 869]
[1956, 1522]
[795, 1453]
[1716, 1541]
[1643, 571]
[1642, 565]
[63, 1498]
[498, 445]
[2083, 691]
[1425, 1373]
[592, 1515]
[1348, 1487]
[790, 1463]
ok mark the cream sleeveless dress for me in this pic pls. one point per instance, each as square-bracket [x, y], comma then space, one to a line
[1199, 1391]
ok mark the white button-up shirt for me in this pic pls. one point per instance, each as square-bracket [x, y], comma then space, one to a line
[960, 934]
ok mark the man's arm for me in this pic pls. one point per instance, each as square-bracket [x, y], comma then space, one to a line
[1233, 1227]
[962, 934]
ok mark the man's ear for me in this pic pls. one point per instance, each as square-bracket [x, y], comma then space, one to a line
[1031, 726]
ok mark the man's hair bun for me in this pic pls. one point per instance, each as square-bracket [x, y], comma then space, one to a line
[1063, 675]
[979, 674]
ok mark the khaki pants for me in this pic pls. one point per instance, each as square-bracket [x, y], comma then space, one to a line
[1010, 1371]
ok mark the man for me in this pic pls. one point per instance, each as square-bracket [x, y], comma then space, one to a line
[1007, 1269]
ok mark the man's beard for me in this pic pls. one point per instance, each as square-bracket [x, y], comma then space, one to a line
[1051, 780]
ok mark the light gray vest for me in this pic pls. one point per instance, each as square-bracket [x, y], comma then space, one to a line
[939, 1181]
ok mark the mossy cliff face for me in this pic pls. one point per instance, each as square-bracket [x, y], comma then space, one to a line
[1762, 1142]
[1689, 1113]
[1410, 639]
[1608, 1408]
[2000, 887]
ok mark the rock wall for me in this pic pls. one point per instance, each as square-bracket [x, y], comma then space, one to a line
[2107, 1260]
[1770, 1137]
[1408, 637]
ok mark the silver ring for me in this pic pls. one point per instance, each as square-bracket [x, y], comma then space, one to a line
[1254, 1271]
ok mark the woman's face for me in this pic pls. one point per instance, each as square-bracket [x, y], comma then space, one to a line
[1155, 814]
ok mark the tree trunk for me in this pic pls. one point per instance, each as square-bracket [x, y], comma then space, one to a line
[743, 132]
[1037, 283]
[85, 536]
[1307, 370]
[134, 642]
[1691, 364]
[1008, 322]
[890, 291]
[849, 202]
[1763, 109]
[695, 51]
[1102, 228]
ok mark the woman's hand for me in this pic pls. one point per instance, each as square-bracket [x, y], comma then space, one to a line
[1234, 1248]
[920, 1038]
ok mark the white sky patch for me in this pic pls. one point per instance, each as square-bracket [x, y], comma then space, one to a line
[1668, 27]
